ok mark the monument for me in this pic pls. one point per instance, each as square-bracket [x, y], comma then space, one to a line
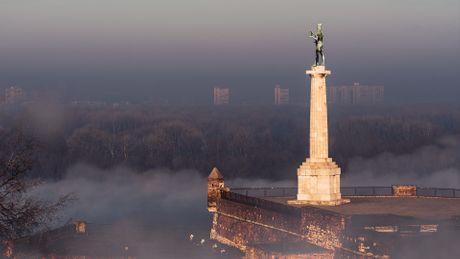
[303, 222]
[319, 176]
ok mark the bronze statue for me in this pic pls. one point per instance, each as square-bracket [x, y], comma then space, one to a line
[319, 38]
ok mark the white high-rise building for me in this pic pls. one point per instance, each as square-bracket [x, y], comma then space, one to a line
[221, 96]
[281, 95]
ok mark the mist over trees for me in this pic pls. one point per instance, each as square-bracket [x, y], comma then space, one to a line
[243, 141]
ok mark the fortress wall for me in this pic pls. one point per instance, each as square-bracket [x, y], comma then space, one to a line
[242, 234]
[322, 228]
[261, 211]
[260, 253]
[240, 224]
[245, 222]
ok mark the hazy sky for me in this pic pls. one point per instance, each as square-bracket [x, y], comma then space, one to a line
[153, 49]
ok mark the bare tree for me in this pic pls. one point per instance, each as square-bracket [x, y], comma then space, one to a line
[20, 213]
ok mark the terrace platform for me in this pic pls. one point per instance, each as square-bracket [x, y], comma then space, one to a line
[431, 208]
[378, 222]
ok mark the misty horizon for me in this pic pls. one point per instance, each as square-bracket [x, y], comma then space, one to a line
[177, 52]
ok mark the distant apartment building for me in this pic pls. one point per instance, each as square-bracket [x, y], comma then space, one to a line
[13, 94]
[281, 95]
[356, 94]
[221, 96]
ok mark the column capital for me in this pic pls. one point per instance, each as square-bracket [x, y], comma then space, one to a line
[318, 71]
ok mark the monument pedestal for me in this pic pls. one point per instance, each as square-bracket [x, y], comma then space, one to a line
[318, 177]
[319, 183]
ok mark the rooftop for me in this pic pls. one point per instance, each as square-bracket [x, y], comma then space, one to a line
[215, 174]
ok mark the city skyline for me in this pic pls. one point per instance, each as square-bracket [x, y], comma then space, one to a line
[152, 49]
[355, 94]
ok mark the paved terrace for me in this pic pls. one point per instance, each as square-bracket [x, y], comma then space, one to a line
[435, 208]
[432, 204]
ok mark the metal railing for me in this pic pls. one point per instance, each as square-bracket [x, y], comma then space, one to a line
[367, 191]
[438, 192]
[267, 191]
[347, 191]
[255, 201]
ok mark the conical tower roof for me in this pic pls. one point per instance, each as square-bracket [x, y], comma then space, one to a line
[215, 174]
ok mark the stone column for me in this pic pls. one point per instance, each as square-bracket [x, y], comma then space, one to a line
[318, 114]
[318, 177]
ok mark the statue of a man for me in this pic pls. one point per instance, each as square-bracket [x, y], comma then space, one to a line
[319, 38]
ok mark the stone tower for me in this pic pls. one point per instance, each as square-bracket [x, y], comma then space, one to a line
[215, 185]
[318, 177]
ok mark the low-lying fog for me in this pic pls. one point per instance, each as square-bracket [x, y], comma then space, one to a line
[163, 207]
[157, 209]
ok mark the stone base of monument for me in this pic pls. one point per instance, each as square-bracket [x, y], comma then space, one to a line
[319, 203]
[319, 183]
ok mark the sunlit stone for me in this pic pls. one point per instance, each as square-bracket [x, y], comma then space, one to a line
[318, 177]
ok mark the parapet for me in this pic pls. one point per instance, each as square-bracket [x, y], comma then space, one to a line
[404, 190]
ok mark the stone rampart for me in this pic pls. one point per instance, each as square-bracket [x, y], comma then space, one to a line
[243, 222]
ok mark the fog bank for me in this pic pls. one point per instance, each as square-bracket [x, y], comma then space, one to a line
[435, 165]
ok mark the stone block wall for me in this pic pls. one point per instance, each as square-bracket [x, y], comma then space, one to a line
[240, 225]
[322, 228]
[244, 224]
[404, 190]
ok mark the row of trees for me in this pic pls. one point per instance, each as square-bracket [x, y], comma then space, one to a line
[242, 141]
[262, 142]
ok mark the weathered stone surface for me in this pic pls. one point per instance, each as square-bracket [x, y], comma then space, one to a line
[245, 226]
[318, 177]
[369, 227]
[318, 113]
[404, 190]
[215, 185]
[286, 250]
